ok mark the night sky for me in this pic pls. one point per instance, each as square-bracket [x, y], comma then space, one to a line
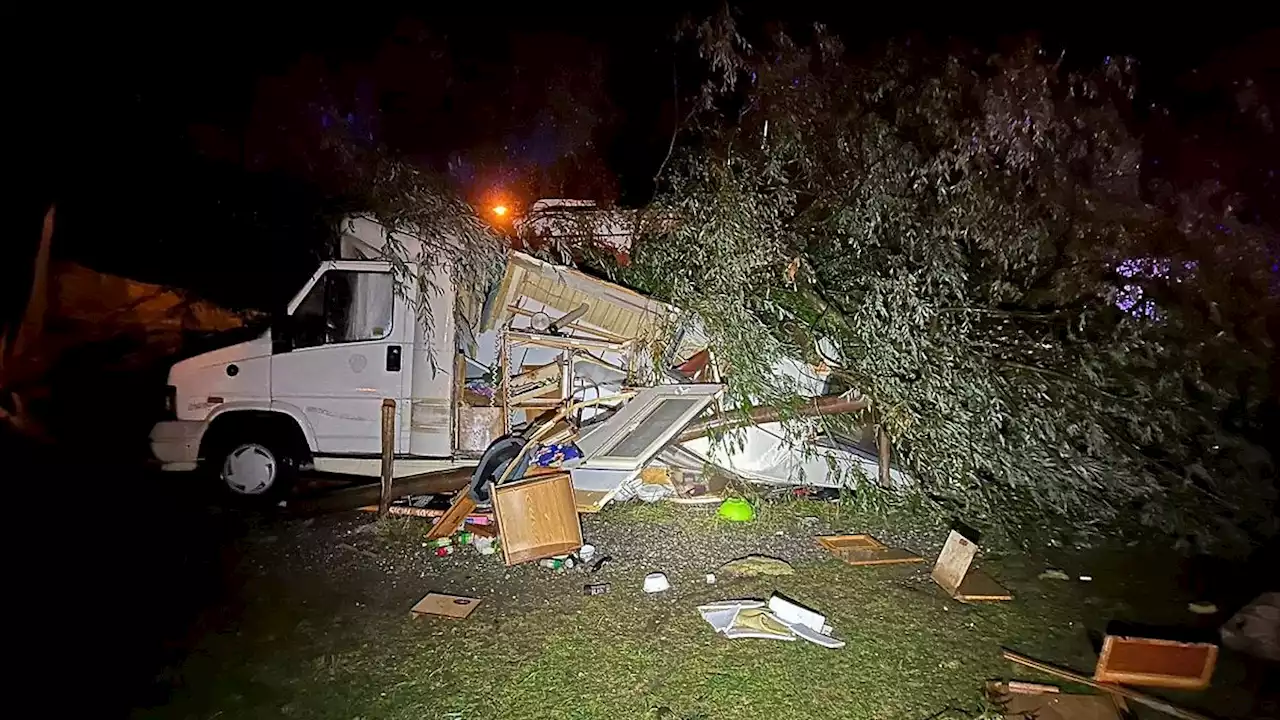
[181, 149]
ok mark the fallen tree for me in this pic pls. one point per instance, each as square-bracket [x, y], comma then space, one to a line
[966, 242]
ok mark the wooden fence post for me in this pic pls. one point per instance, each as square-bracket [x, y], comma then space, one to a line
[388, 454]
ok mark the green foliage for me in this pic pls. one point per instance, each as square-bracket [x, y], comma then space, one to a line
[971, 234]
[406, 199]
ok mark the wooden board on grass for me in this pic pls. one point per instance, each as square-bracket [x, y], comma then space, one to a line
[978, 586]
[841, 543]
[1156, 663]
[453, 606]
[866, 550]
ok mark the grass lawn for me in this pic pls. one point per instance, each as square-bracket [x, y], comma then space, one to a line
[538, 648]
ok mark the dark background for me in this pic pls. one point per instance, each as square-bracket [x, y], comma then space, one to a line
[181, 148]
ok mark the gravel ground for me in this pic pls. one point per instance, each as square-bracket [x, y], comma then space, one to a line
[366, 564]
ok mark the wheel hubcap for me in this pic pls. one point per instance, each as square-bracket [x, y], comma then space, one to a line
[249, 469]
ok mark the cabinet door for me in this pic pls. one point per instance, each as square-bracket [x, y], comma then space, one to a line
[342, 354]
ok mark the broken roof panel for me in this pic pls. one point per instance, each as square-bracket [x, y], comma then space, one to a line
[611, 307]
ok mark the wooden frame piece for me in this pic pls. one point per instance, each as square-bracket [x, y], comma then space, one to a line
[1156, 663]
[865, 550]
[537, 518]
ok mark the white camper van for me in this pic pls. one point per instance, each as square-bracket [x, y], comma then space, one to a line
[308, 392]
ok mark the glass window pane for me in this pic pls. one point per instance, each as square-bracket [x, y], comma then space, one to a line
[359, 305]
[345, 306]
[660, 420]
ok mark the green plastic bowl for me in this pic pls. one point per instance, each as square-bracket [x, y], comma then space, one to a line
[737, 510]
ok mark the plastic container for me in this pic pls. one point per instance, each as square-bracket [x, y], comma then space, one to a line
[656, 583]
[737, 510]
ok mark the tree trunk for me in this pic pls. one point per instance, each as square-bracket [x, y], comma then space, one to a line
[884, 453]
[816, 407]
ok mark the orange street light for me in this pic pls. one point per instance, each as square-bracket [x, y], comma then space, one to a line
[500, 210]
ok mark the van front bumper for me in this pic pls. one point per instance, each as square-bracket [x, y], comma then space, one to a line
[176, 443]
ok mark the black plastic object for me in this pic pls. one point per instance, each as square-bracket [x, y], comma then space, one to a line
[494, 462]
[393, 358]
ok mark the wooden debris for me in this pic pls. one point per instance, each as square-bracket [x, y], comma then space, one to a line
[452, 606]
[951, 573]
[978, 586]
[537, 518]
[1156, 663]
[1134, 695]
[1058, 707]
[479, 518]
[953, 562]
[453, 518]
[999, 688]
[865, 550]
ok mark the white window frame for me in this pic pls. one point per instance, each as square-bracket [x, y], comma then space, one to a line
[632, 415]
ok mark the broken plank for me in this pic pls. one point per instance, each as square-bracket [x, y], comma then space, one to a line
[978, 586]
[410, 511]
[838, 543]
[457, 514]
[953, 562]
[432, 483]
[887, 556]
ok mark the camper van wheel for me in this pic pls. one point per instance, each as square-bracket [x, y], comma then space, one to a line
[252, 470]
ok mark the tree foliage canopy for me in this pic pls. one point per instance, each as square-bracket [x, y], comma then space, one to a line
[1038, 335]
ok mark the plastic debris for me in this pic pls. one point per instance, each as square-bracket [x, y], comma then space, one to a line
[779, 619]
[1053, 574]
[656, 583]
[737, 510]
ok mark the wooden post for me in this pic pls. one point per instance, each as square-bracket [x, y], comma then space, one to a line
[388, 454]
[885, 454]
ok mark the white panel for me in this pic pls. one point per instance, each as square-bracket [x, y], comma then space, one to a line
[630, 439]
